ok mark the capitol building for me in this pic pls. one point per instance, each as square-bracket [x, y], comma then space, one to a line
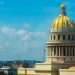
[60, 48]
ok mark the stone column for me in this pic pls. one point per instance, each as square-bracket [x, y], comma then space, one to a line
[66, 51]
[59, 51]
[69, 51]
[48, 52]
[52, 51]
[56, 50]
[74, 51]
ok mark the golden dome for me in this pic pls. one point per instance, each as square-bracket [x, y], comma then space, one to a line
[63, 22]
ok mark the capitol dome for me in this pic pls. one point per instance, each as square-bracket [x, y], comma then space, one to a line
[63, 23]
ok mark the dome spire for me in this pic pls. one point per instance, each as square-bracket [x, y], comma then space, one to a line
[63, 9]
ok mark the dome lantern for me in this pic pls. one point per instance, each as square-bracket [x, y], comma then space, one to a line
[63, 9]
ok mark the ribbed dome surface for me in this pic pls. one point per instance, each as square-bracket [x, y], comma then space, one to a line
[63, 23]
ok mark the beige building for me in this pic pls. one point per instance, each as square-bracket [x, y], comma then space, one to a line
[60, 48]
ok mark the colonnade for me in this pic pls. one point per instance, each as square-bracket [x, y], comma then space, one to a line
[61, 51]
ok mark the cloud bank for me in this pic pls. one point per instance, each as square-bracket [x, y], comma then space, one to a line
[20, 43]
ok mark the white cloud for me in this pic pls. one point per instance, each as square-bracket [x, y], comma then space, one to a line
[39, 34]
[24, 34]
[20, 42]
[26, 37]
[21, 32]
[20, 36]
[8, 31]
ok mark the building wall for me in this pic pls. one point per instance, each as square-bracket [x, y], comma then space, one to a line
[70, 71]
[25, 71]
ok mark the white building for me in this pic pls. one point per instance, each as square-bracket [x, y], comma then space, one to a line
[60, 48]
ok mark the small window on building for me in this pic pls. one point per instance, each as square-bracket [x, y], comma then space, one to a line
[61, 51]
[70, 51]
[67, 53]
[72, 37]
[54, 51]
[68, 37]
[54, 37]
[64, 52]
[73, 51]
[58, 37]
[63, 37]
[57, 51]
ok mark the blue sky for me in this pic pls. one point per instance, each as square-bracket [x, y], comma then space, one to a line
[24, 26]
